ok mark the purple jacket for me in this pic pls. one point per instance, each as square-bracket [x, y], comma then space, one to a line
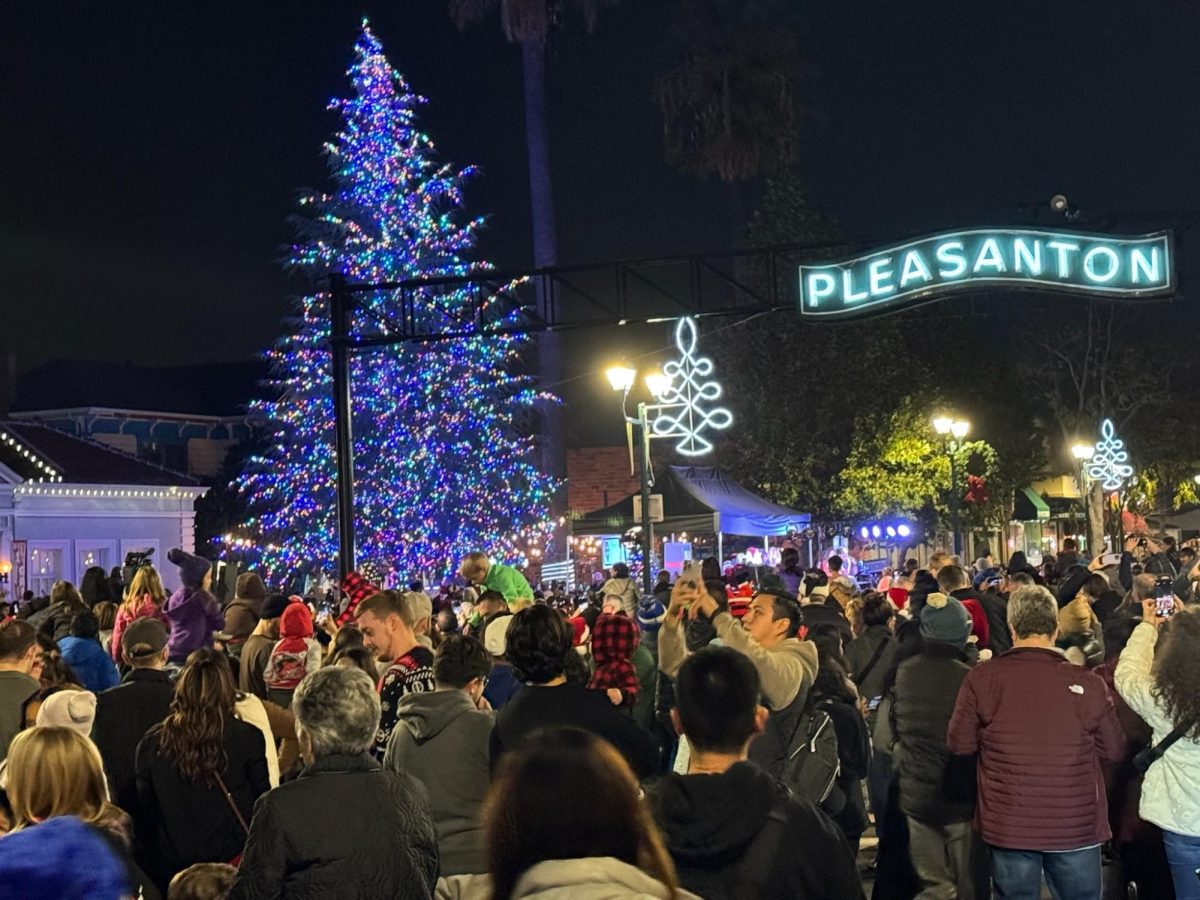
[194, 615]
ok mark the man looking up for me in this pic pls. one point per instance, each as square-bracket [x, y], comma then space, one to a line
[20, 666]
[386, 620]
[727, 823]
[767, 637]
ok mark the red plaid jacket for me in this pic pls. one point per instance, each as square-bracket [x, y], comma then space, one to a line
[614, 638]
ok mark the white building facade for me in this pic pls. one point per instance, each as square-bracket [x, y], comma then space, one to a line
[67, 504]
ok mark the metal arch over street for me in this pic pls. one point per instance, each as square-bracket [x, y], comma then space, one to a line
[732, 283]
[1100, 265]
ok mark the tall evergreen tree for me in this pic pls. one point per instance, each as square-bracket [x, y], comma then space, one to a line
[439, 468]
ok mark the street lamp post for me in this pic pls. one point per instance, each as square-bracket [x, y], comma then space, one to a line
[952, 431]
[622, 379]
[1083, 453]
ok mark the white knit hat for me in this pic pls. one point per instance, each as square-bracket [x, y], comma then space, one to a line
[69, 709]
[495, 636]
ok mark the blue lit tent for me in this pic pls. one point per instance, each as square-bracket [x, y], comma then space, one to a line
[699, 498]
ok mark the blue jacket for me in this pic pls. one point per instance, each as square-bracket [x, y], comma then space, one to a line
[90, 662]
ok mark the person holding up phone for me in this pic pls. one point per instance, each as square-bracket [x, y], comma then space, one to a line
[767, 634]
[1162, 685]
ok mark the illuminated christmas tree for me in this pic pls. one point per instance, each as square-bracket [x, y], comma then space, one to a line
[439, 467]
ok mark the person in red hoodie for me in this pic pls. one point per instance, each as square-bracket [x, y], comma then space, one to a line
[295, 654]
[953, 580]
[1042, 728]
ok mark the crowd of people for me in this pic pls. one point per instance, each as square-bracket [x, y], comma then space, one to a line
[728, 735]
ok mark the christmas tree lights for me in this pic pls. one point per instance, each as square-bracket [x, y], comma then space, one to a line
[439, 467]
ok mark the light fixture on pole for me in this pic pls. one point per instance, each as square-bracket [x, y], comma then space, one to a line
[1083, 453]
[622, 378]
[682, 412]
[657, 383]
[952, 431]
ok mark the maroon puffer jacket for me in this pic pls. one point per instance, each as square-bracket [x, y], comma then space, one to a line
[1042, 727]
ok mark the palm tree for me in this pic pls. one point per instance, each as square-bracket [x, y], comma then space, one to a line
[530, 23]
[729, 106]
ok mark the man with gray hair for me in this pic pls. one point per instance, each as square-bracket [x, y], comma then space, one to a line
[1042, 727]
[344, 827]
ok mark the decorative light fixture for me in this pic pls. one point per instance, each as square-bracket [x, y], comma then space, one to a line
[1110, 463]
[682, 413]
[1083, 451]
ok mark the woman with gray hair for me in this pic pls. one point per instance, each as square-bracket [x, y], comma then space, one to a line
[345, 827]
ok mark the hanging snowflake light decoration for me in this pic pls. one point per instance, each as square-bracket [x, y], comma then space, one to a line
[1110, 463]
[681, 408]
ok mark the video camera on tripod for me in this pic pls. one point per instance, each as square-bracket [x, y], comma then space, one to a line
[134, 560]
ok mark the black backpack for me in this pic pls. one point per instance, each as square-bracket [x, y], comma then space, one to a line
[810, 764]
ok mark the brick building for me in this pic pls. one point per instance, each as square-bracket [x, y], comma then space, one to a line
[598, 476]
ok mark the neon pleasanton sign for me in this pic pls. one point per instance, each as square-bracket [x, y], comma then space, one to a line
[1076, 262]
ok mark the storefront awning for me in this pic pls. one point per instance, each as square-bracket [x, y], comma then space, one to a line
[1028, 506]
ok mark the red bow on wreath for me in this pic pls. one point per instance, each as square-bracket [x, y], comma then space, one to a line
[977, 489]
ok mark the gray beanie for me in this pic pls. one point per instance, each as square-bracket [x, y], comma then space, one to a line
[943, 618]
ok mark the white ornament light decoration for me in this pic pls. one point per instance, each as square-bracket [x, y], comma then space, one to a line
[1110, 463]
[681, 408]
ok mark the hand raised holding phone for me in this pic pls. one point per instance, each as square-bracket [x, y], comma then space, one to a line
[683, 594]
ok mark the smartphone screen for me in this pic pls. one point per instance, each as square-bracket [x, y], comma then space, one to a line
[873, 704]
[1164, 598]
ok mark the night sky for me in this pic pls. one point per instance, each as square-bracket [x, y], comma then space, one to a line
[153, 151]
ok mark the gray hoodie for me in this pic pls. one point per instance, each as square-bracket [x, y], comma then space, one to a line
[441, 739]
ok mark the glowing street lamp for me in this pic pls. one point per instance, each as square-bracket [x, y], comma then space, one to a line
[621, 377]
[1083, 453]
[682, 410]
[657, 383]
[952, 431]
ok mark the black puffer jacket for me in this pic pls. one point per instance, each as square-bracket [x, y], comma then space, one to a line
[344, 829]
[711, 822]
[995, 607]
[934, 788]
